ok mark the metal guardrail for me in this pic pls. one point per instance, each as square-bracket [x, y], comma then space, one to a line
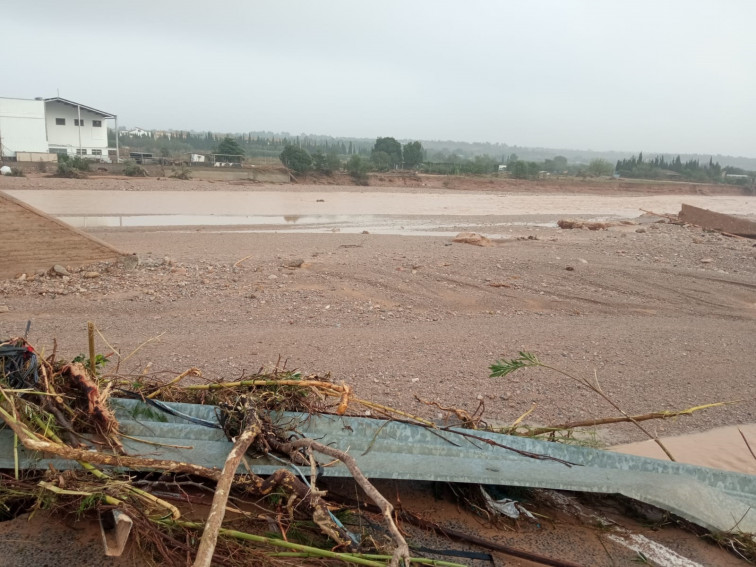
[717, 500]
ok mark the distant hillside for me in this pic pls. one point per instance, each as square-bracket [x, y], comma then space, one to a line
[498, 151]
[502, 151]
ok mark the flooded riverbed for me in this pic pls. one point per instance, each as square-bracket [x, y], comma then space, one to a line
[384, 212]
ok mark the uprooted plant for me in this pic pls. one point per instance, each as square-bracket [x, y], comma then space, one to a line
[503, 367]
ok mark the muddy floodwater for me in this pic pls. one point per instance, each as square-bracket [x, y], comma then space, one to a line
[729, 448]
[385, 212]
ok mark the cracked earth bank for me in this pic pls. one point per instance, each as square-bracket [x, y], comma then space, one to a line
[664, 314]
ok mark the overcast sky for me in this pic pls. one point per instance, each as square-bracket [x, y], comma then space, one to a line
[650, 75]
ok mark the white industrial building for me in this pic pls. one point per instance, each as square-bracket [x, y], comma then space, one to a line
[32, 129]
[22, 127]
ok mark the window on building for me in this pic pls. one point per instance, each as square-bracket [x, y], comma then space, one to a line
[81, 151]
[60, 121]
[96, 152]
[78, 122]
[97, 123]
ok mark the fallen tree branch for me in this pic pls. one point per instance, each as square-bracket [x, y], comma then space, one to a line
[610, 420]
[218, 508]
[401, 550]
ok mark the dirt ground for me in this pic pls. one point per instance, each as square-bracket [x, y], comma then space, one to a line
[663, 314]
[566, 530]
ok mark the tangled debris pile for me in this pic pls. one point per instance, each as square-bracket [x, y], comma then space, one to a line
[62, 409]
[66, 410]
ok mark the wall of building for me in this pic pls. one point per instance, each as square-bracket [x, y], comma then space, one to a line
[36, 157]
[22, 126]
[67, 136]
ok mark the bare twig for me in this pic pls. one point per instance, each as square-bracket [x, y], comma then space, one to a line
[747, 443]
[191, 372]
[238, 262]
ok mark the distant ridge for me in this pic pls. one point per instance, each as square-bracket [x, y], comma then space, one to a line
[497, 150]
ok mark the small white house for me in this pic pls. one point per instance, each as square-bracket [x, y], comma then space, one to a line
[136, 132]
[77, 129]
[22, 126]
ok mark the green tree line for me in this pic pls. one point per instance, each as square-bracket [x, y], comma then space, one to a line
[659, 167]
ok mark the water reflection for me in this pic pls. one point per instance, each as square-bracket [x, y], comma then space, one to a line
[374, 224]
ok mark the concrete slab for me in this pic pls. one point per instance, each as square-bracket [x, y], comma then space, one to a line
[742, 226]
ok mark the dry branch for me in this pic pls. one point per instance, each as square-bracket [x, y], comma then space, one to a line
[401, 551]
[624, 419]
[191, 372]
[218, 508]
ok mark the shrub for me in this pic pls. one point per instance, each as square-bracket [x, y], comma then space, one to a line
[42, 166]
[182, 172]
[73, 167]
[296, 159]
[65, 169]
[80, 163]
[133, 169]
[17, 172]
[358, 168]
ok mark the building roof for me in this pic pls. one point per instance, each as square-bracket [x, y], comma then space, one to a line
[82, 106]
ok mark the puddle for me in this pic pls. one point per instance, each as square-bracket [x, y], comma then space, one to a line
[720, 448]
[379, 212]
[374, 224]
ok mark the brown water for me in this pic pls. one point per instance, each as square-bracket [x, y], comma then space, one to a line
[313, 211]
[720, 448]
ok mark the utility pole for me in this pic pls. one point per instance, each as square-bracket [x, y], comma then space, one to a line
[118, 153]
[78, 107]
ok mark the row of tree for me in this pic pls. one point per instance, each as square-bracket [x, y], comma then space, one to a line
[691, 170]
[386, 154]
[327, 156]
[253, 145]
